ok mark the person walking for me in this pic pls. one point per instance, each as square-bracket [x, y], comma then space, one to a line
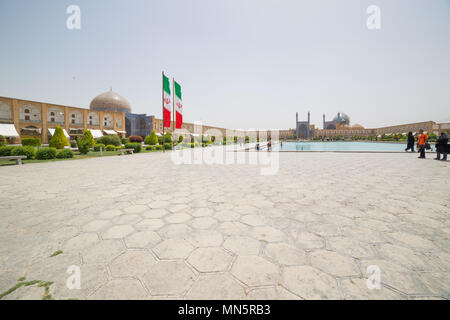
[410, 144]
[441, 147]
[423, 140]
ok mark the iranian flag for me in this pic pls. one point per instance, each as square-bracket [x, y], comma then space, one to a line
[178, 106]
[166, 101]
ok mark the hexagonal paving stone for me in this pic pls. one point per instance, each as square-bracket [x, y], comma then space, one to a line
[109, 214]
[178, 230]
[92, 277]
[254, 220]
[215, 287]
[120, 289]
[127, 219]
[169, 278]
[310, 283]
[227, 215]
[285, 254]
[173, 249]
[80, 242]
[142, 239]
[413, 241]
[158, 204]
[202, 212]
[242, 245]
[178, 218]
[205, 238]
[104, 251]
[149, 224]
[324, 229]
[255, 271]
[117, 232]
[234, 228]
[271, 293]
[154, 213]
[308, 240]
[349, 246]
[210, 259]
[95, 225]
[334, 263]
[357, 289]
[203, 222]
[404, 256]
[132, 263]
[397, 277]
[268, 234]
[136, 209]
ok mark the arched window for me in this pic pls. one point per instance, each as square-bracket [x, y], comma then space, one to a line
[27, 111]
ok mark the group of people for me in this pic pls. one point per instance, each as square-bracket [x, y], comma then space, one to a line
[442, 147]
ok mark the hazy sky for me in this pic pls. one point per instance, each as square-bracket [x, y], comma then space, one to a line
[241, 63]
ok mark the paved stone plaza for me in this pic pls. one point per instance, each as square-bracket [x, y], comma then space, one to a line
[141, 227]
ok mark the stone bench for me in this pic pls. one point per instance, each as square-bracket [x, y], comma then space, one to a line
[17, 158]
[122, 151]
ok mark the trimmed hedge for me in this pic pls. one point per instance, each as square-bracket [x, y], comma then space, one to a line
[64, 154]
[168, 146]
[109, 140]
[34, 142]
[136, 146]
[136, 139]
[125, 140]
[98, 145]
[28, 151]
[110, 147]
[158, 147]
[151, 148]
[85, 142]
[2, 141]
[46, 153]
[5, 151]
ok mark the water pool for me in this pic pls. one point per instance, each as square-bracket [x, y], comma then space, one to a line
[341, 146]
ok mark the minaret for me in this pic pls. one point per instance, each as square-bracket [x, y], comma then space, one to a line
[296, 118]
[309, 116]
[324, 121]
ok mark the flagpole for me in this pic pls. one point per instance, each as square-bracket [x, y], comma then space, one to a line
[173, 110]
[164, 149]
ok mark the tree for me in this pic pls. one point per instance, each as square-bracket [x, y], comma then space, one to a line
[151, 139]
[85, 142]
[59, 140]
[180, 139]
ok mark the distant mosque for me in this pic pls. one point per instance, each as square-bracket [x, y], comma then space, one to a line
[339, 125]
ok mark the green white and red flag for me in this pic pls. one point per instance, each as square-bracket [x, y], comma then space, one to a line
[166, 101]
[178, 106]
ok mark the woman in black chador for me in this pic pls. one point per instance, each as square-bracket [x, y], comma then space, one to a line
[410, 142]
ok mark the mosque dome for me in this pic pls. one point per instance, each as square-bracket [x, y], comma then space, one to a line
[342, 118]
[110, 101]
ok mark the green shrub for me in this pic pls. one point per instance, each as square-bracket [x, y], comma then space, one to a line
[2, 141]
[134, 145]
[160, 140]
[168, 138]
[64, 154]
[180, 139]
[28, 151]
[59, 140]
[168, 146]
[5, 151]
[151, 148]
[73, 144]
[110, 147]
[151, 139]
[98, 145]
[125, 140]
[46, 153]
[34, 142]
[158, 147]
[85, 142]
[109, 140]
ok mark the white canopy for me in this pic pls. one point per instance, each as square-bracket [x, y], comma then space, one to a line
[52, 132]
[159, 134]
[96, 133]
[121, 131]
[8, 130]
[110, 132]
